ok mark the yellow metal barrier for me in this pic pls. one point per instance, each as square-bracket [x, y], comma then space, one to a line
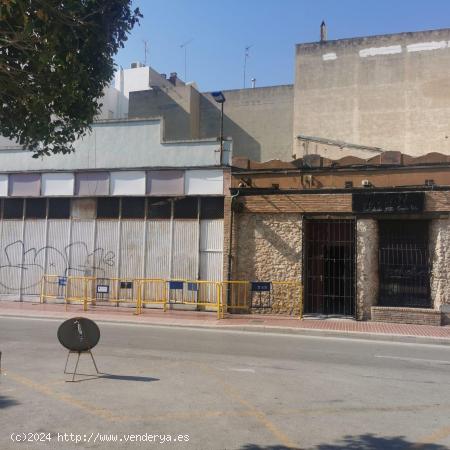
[151, 292]
[116, 290]
[199, 293]
[235, 296]
[284, 297]
[279, 297]
[51, 288]
[80, 290]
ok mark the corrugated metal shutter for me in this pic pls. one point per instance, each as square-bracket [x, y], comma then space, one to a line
[34, 256]
[157, 264]
[82, 257]
[107, 241]
[211, 249]
[11, 256]
[132, 248]
[57, 245]
[185, 249]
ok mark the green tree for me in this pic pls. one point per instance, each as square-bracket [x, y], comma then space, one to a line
[56, 57]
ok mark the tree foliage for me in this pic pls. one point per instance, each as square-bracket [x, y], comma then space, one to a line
[56, 57]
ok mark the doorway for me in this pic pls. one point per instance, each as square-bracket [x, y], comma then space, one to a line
[329, 266]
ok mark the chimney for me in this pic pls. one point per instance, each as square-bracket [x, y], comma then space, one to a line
[323, 31]
[173, 78]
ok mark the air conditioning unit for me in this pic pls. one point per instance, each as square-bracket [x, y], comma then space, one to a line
[366, 183]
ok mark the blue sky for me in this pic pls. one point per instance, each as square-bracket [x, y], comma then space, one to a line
[220, 31]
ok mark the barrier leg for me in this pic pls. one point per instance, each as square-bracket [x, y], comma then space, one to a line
[42, 289]
[218, 302]
[85, 296]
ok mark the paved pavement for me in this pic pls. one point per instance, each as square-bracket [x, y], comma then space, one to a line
[255, 322]
[223, 389]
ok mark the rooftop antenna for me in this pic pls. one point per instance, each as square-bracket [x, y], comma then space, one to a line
[246, 55]
[145, 51]
[185, 56]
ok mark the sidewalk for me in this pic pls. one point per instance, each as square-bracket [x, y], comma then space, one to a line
[342, 328]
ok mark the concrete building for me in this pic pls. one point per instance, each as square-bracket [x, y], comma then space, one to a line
[259, 120]
[391, 92]
[125, 205]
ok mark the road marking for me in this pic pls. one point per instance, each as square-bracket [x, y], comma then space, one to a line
[404, 358]
[239, 369]
[436, 436]
[255, 412]
[66, 398]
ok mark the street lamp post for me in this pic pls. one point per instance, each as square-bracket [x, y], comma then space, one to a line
[220, 98]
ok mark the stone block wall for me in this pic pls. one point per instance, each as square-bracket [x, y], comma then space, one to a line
[366, 267]
[440, 262]
[268, 247]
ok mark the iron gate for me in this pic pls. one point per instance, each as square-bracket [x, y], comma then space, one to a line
[404, 264]
[329, 266]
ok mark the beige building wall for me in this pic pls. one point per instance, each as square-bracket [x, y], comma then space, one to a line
[258, 119]
[389, 91]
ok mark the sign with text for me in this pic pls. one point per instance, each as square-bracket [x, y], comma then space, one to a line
[388, 202]
[102, 289]
[261, 286]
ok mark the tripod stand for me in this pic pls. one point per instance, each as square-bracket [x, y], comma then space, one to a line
[76, 365]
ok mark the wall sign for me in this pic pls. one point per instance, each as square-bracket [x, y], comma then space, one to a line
[260, 286]
[388, 202]
[176, 285]
[126, 285]
[102, 289]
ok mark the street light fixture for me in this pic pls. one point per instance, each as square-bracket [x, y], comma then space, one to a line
[220, 98]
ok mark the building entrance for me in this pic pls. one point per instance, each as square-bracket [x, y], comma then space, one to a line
[329, 266]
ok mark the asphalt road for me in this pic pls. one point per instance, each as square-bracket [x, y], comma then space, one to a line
[221, 390]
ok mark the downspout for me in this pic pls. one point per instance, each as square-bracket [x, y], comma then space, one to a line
[230, 249]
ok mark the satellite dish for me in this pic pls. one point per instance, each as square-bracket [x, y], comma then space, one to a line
[79, 334]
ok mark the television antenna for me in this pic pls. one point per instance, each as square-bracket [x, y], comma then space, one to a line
[146, 51]
[184, 46]
[246, 55]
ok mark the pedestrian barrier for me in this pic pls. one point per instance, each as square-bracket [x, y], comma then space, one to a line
[79, 290]
[151, 292]
[223, 297]
[116, 291]
[53, 287]
[201, 294]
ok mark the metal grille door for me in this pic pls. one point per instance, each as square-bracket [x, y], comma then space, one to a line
[404, 264]
[329, 267]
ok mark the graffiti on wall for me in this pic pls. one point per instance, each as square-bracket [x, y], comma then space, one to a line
[23, 268]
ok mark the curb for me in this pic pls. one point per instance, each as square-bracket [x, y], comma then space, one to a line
[308, 332]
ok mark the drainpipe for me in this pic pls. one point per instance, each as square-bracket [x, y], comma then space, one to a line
[231, 238]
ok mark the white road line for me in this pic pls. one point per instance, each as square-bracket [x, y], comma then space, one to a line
[403, 358]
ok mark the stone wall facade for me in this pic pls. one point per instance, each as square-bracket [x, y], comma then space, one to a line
[440, 262]
[268, 247]
[367, 280]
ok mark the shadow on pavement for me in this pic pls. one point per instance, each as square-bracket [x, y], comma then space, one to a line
[6, 402]
[110, 376]
[362, 442]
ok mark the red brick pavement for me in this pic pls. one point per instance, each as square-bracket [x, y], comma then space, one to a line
[204, 319]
